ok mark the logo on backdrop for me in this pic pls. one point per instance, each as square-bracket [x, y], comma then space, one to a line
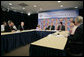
[58, 14]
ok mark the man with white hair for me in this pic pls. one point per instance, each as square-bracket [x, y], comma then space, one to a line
[78, 21]
[75, 42]
[10, 27]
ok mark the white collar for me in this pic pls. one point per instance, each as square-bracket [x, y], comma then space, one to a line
[79, 25]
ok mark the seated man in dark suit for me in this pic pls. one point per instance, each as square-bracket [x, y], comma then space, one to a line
[9, 27]
[61, 27]
[75, 42]
[21, 26]
[51, 27]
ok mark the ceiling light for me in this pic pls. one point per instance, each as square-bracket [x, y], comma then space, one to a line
[61, 6]
[58, 1]
[10, 3]
[23, 8]
[76, 7]
[29, 13]
[35, 6]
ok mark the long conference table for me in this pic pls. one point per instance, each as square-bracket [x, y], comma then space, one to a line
[13, 40]
[51, 45]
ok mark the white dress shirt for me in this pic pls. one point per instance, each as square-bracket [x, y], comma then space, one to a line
[14, 27]
[2, 27]
[73, 30]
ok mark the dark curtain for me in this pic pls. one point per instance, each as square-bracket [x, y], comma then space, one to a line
[30, 21]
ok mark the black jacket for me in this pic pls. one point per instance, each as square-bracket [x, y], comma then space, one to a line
[20, 27]
[75, 42]
[62, 28]
[52, 28]
[8, 28]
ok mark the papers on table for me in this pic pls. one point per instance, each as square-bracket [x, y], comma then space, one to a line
[61, 34]
[57, 36]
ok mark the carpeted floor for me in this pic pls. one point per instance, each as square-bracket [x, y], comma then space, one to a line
[22, 51]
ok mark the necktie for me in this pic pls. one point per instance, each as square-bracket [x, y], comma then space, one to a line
[60, 28]
[50, 27]
[22, 28]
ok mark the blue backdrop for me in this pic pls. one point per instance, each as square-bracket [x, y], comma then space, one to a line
[55, 16]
